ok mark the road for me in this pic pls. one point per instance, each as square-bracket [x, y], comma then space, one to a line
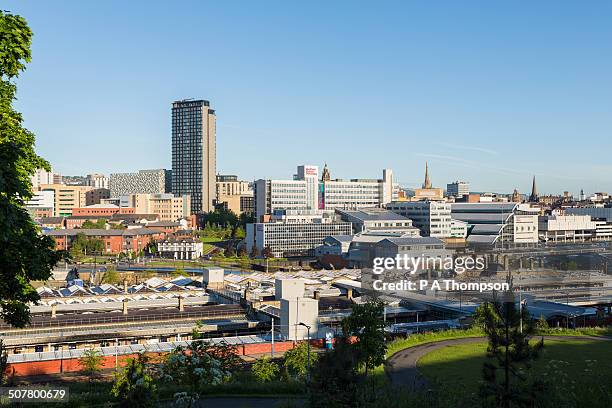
[402, 366]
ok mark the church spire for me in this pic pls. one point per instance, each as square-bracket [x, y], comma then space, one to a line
[427, 183]
[534, 192]
[325, 176]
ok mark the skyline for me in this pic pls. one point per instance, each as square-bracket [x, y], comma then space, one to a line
[289, 84]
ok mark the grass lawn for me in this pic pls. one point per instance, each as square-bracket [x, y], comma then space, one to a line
[579, 368]
[210, 240]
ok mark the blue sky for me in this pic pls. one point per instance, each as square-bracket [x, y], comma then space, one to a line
[488, 92]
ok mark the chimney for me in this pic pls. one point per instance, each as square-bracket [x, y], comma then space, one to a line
[125, 308]
[181, 304]
[125, 287]
[54, 311]
[315, 295]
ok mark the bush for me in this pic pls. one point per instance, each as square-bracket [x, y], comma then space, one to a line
[265, 370]
[134, 386]
[296, 361]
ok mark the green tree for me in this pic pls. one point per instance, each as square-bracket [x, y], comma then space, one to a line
[98, 224]
[26, 254]
[367, 325]
[112, 277]
[542, 325]
[177, 272]
[508, 353]
[195, 366]
[134, 386]
[92, 362]
[296, 361]
[265, 370]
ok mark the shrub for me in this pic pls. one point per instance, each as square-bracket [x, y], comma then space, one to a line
[265, 370]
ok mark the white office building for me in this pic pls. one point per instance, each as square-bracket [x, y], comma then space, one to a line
[433, 218]
[307, 192]
[44, 199]
[566, 228]
[377, 220]
[294, 233]
[458, 189]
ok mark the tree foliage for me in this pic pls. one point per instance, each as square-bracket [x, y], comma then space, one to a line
[296, 361]
[112, 277]
[509, 355]
[85, 245]
[195, 366]
[367, 325]
[99, 224]
[265, 370]
[134, 386]
[92, 362]
[26, 254]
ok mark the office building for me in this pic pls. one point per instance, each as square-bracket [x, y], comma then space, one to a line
[377, 220]
[96, 195]
[498, 223]
[97, 180]
[194, 153]
[233, 194]
[294, 233]
[42, 176]
[42, 204]
[433, 218]
[306, 192]
[601, 216]
[566, 228]
[167, 206]
[227, 185]
[66, 198]
[458, 189]
[144, 181]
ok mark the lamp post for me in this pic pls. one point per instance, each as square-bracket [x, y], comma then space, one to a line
[308, 346]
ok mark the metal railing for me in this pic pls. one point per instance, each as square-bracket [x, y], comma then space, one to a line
[97, 320]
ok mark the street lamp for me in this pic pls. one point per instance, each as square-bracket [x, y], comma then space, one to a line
[308, 345]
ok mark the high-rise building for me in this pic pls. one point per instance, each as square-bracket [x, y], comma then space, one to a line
[458, 189]
[194, 163]
[144, 181]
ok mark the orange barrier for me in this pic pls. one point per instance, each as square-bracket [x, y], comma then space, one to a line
[72, 364]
